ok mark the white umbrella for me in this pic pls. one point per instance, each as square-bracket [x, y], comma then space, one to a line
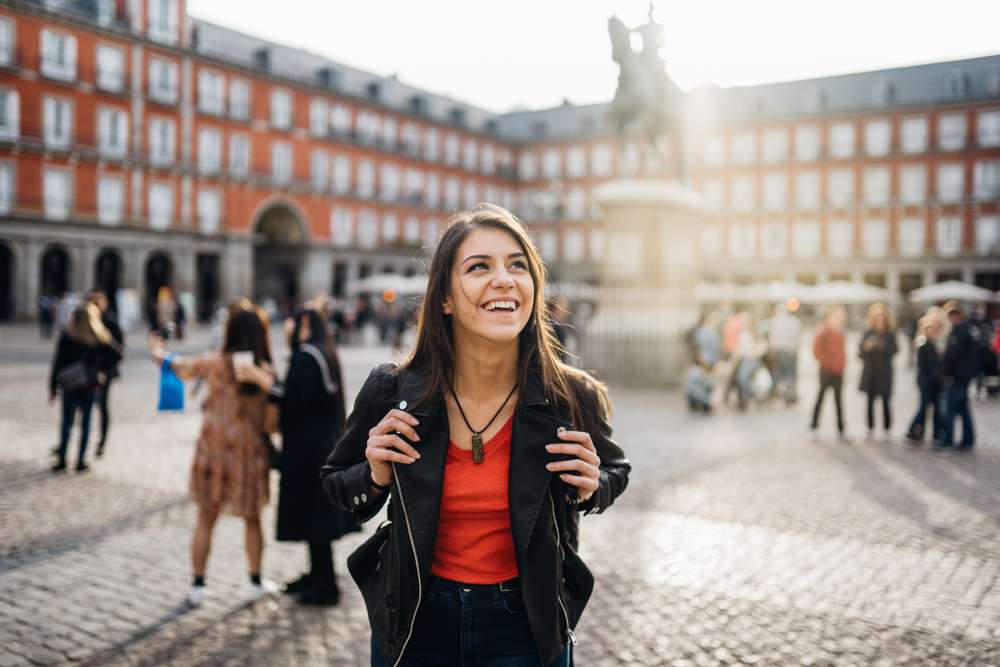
[842, 291]
[776, 291]
[380, 282]
[951, 289]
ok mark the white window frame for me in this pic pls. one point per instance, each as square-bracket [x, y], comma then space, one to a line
[876, 184]
[389, 182]
[8, 187]
[527, 166]
[452, 150]
[342, 174]
[211, 92]
[209, 210]
[58, 62]
[713, 151]
[913, 135]
[948, 189]
[319, 170]
[840, 238]
[341, 226]
[163, 80]
[774, 239]
[163, 21]
[875, 237]
[743, 147]
[743, 193]
[913, 184]
[110, 199]
[162, 145]
[282, 162]
[57, 207]
[366, 179]
[161, 205]
[281, 109]
[10, 114]
[808, 139]
[775, 191]
[952, 129]
[239, 159]
[988, 235]
[319, 117]
[367, 231]
[55, 135]
[806, 235]
[341, 118]
[840, 188]
[807, 190]
[209, 150]
[239, 99]
[843, 140]
[741, 240]
[487, 159]
[470, 155]
[986, 180]
[8, 41]
[911, 237]
[110, 68]
[988, 128]
[878, 137]
[602, 161]
[775, 145]
[948, 235]
[107, 145]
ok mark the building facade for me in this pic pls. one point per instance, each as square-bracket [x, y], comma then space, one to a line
[142, 148]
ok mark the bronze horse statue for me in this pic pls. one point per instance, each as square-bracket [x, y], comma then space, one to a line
[647, 104]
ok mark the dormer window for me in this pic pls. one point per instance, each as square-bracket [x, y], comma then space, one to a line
[956, 85]
[418, 104]
[373, 90]
[457, 116]
[329, 77]
[262, 59]
[882, 93]
[539, 128]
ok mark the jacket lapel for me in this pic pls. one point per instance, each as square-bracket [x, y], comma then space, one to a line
[534, 427]
[420, 482]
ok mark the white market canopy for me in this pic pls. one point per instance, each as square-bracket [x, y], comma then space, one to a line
[842, 291]
[837, 291]
[951, 289]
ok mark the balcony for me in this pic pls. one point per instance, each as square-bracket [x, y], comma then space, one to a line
[57, 69]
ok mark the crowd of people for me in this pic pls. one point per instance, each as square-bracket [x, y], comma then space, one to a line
[757, 360]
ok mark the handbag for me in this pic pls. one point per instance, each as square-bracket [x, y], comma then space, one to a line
[73, 376]
[171, 389]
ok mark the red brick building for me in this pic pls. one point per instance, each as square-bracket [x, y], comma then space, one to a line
[140, 147]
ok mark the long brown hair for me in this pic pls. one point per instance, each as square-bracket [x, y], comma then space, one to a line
[567, 388]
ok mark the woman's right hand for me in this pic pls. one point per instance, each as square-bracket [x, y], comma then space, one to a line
[157, 348]
[385, 445]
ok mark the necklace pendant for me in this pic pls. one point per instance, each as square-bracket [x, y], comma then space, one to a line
[477, 448]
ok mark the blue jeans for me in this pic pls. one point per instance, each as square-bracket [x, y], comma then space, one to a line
[468, 625]
[956, 404]
[82, 400]
[786, 370]
[930, 399]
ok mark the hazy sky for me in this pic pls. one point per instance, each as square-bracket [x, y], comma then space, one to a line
[505, 53]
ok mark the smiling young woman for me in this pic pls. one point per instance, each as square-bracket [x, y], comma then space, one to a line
[487, 448]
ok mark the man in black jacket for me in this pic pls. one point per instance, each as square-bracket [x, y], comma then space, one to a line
[110, 362]
[961, 366]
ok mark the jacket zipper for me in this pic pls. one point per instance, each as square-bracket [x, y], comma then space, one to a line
[416, 561]
[569, 631]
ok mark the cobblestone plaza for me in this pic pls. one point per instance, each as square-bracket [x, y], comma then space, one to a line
[740, 540]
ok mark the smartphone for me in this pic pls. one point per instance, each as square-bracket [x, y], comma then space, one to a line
[242, 359]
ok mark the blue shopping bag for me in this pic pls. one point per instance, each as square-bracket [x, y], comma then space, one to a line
[171, 389]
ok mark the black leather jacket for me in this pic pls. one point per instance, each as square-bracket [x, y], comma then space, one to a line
[392, 567]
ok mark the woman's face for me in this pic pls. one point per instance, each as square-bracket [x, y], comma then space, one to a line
[879, 321]
[491, 293]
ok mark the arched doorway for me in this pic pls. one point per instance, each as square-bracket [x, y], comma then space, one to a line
[54, 269]
[208, 285]
[279, 253]
[159, 274]
[108, 272]
[7, 306]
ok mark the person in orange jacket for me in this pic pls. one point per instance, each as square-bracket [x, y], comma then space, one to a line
[828, 348]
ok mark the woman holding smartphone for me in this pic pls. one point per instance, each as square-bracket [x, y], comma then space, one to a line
[230, 471]
[487, 448]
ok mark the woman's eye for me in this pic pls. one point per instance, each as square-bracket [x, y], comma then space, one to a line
[477, 265]
[519, 265]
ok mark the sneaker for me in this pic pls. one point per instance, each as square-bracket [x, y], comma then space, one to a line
[100, 449]
[82, 467]
[914, 439]
[195, 596]
[59, 467]
[255, 592]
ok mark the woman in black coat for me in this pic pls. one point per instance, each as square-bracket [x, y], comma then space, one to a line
[311, 404]
[930, 377]
[878, 345]
[84, 351]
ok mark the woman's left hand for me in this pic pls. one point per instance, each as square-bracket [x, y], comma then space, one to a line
[253, 374]
[586, 466]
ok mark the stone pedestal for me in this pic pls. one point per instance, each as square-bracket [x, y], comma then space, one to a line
[650, 266]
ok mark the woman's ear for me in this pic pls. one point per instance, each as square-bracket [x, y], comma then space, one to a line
[446, 307]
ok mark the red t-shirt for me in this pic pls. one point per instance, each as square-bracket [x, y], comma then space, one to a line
[474, 544]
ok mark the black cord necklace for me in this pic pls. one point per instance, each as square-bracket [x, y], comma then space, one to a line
[477, 436]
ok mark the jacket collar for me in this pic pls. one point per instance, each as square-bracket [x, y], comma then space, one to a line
[413, 383]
